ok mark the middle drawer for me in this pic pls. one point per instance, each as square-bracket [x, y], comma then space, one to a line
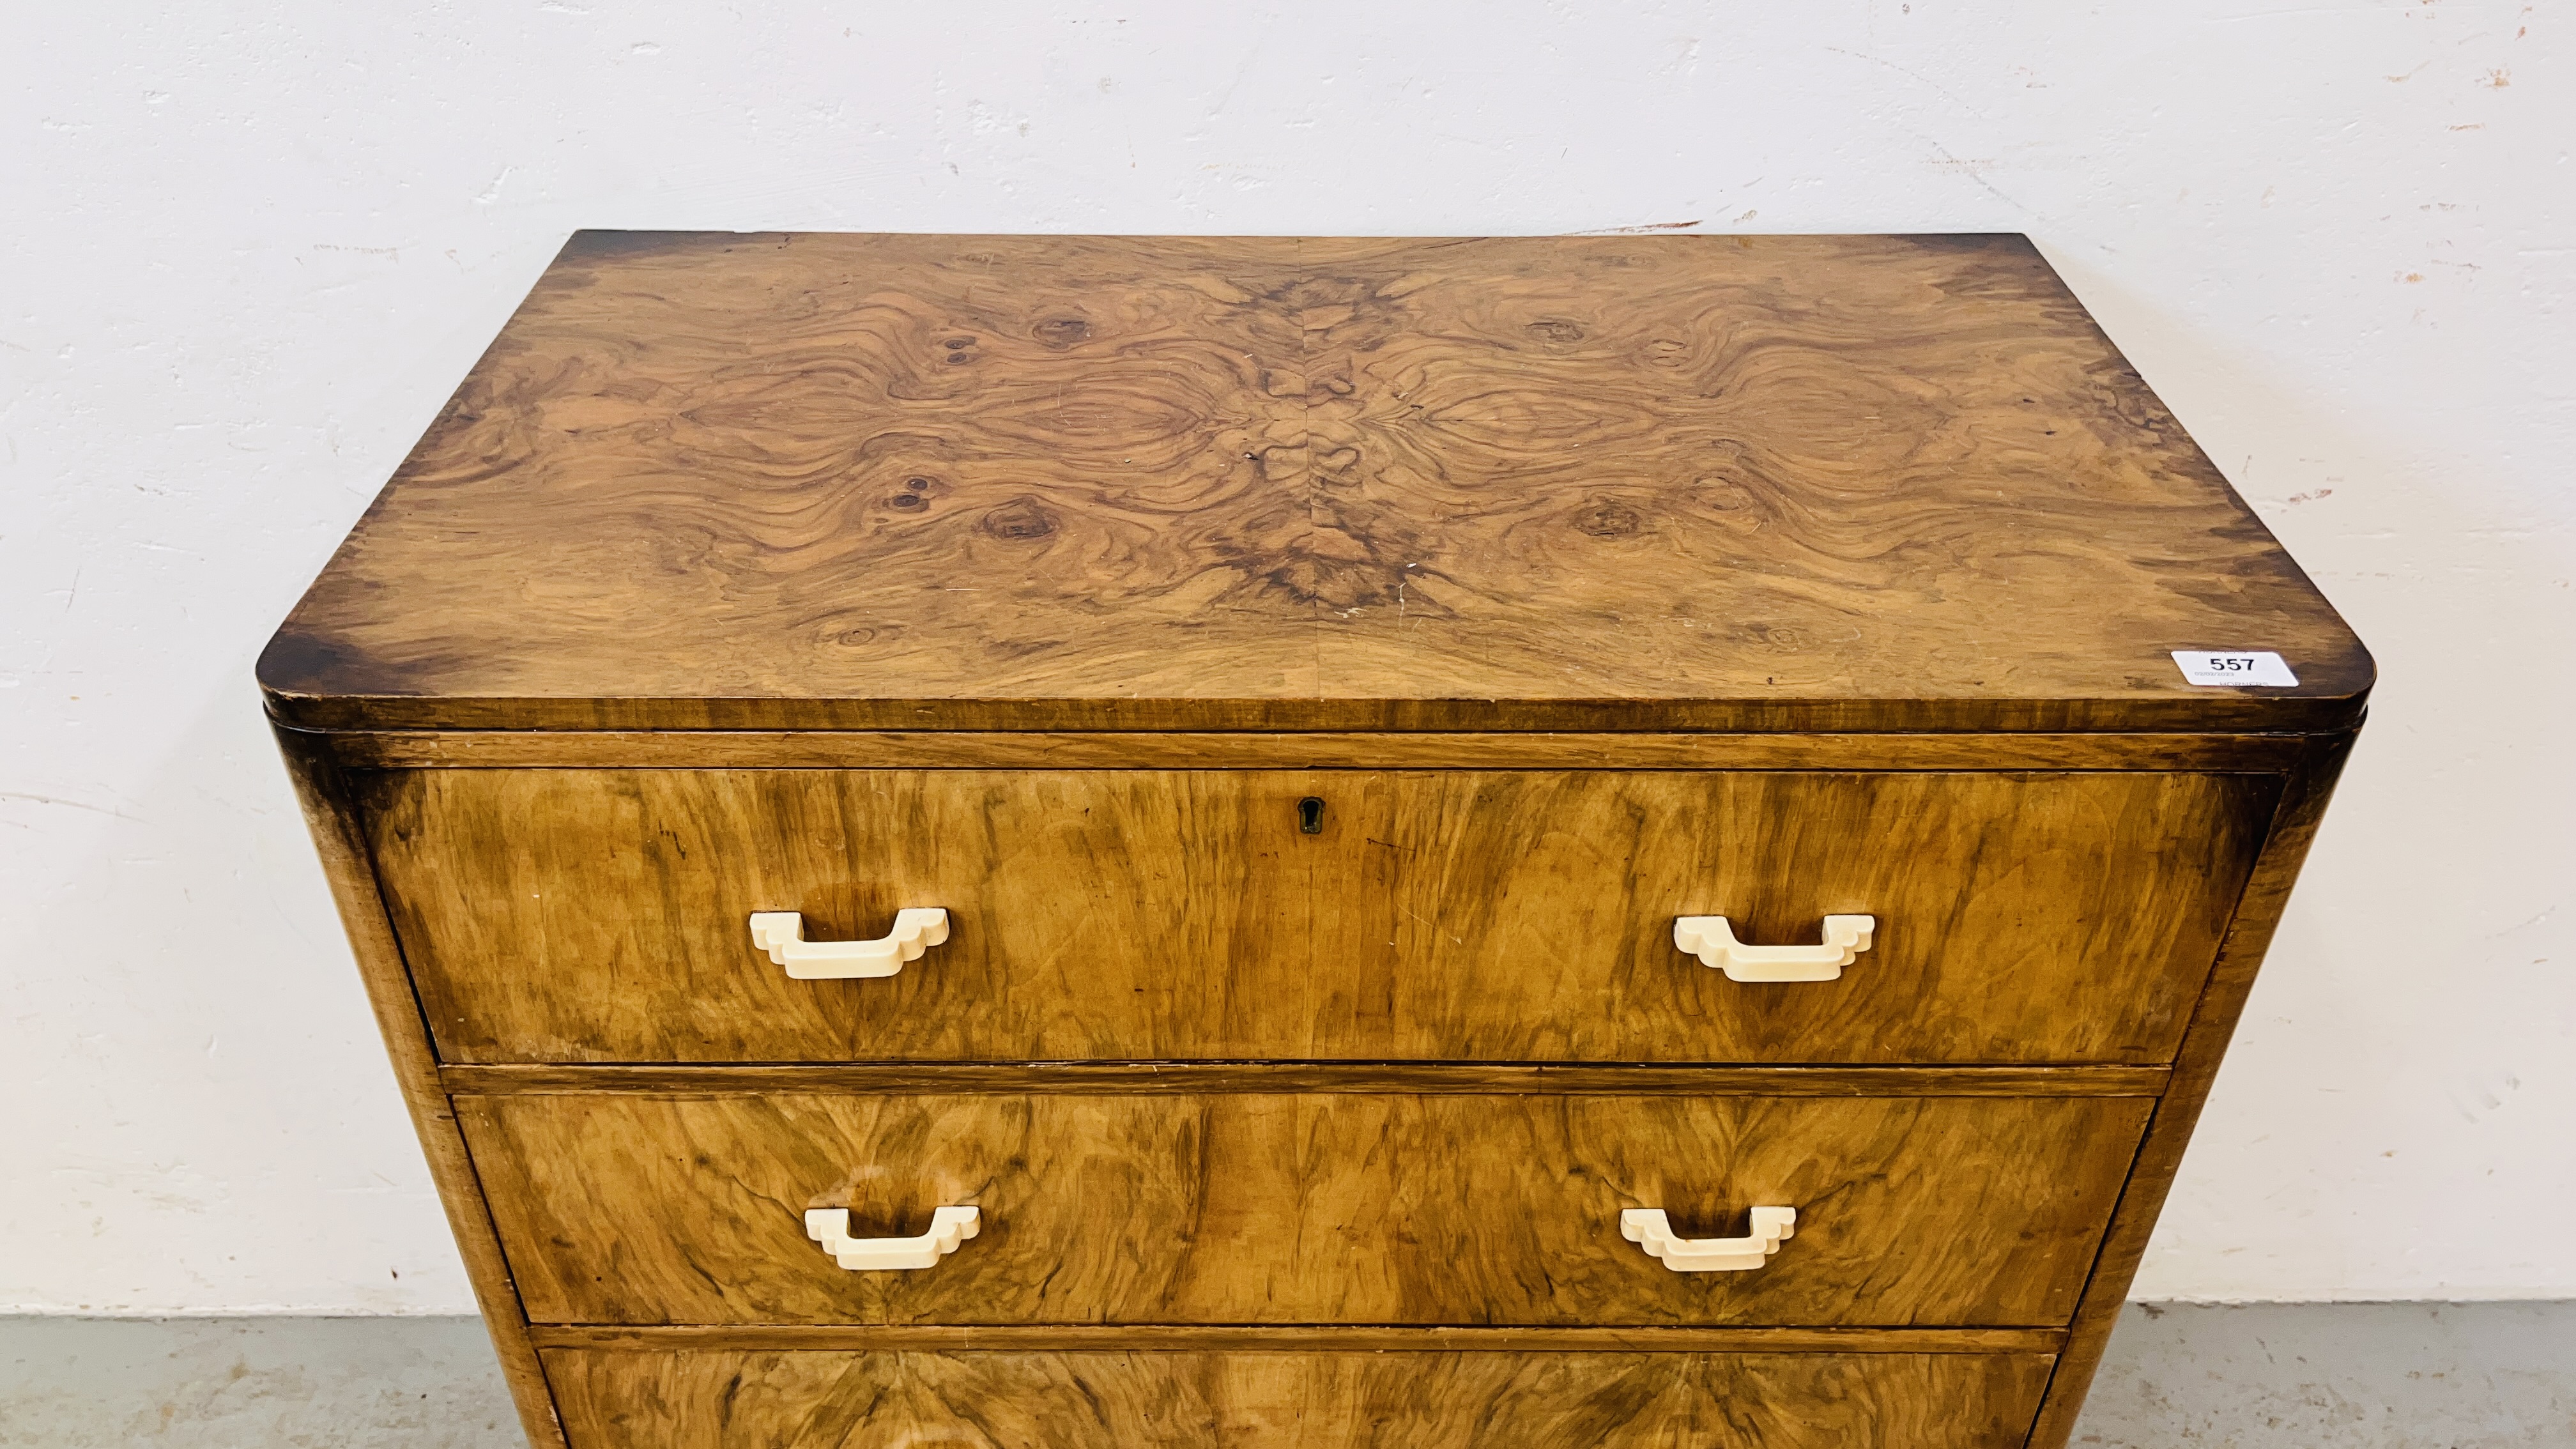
[1369, 1208]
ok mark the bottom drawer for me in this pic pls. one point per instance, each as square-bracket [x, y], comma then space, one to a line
[705, 1398]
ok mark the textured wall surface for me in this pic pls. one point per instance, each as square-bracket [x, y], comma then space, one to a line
[251, 246]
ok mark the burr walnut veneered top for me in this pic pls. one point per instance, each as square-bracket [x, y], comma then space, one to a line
[1676, 482]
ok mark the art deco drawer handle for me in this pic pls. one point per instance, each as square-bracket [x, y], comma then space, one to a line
[949, 1226]
[1713, 941]
[782, 935]
[1648, 1228]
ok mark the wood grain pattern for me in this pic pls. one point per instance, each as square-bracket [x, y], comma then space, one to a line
[1041, 750]
[718, 1400]
[599, 915]
[2301, 811]
[1618, 483]
[326, 800]
[1346, 1338]
[1590, 581]
[1428, 1078]
[1913, 1212]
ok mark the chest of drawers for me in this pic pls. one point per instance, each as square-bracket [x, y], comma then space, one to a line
[1270, 842]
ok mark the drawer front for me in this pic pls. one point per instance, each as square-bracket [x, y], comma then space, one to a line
[721, 1399]
[572, 915]
[628, 1208]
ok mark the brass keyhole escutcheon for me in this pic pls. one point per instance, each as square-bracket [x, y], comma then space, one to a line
[1310, 815]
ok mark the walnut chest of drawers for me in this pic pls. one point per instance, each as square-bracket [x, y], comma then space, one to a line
[1266, 842]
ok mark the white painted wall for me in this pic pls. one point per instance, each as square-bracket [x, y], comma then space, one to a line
[248, 249]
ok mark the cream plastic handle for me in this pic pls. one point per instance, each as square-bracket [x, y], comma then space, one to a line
[1649, 1229]
[1713, 941]
[949, 1226]
[782, 935]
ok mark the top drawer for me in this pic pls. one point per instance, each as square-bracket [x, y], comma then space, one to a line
[602, 915]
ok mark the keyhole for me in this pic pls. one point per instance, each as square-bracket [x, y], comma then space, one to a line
[1310, 815]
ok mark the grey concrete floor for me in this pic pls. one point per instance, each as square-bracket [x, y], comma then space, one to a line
[2296, 1376]
[2346, 1375]
[252, 1383]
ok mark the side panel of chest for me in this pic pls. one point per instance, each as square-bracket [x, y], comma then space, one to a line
[601, 915]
